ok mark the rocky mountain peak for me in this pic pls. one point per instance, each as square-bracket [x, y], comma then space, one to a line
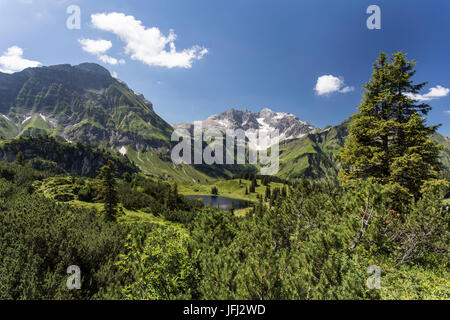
[289, 125]
[92, 68]
[266, 112]
[81, 103]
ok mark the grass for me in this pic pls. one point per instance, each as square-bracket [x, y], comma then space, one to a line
[152, 164]
[410, 282]
[57, 186]
[36, 124]
[79, 125]
[7, 128]
[130, 216]
[241, 212]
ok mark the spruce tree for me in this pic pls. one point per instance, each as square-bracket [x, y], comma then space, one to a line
[127, 177]
[389, 140]
[175, 190]
[284, 192]
[253, 185]
[267, 196]
[108, 190]
[275, 196]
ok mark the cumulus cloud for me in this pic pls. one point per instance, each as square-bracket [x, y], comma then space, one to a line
[434, 93]
[327, 84]
[12, 61]
[98, 48]
[147, 45]
[110, 60]
[347, 89]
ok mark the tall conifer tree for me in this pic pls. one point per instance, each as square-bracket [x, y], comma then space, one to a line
[108, 190]
[389, 139]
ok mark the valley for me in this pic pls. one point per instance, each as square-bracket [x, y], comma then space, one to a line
[86, 104]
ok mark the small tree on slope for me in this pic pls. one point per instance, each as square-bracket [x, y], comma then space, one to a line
[108, 190]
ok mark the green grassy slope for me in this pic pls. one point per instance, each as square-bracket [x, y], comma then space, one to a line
[56, 187]
[8, 129]
[443, 141]
[35, 126]
[154, 164]
[313, 154]
[227, 188]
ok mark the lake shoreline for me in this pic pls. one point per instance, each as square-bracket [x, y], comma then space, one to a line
[224, 203]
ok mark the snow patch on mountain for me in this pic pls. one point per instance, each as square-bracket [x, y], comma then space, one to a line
[26, 119]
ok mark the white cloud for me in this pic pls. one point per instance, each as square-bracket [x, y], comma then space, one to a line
[447, 112]
[11, 61]
[98, 48]
[327, 84]
[147, 45]
[114, 75]
[347, 89]
[434, 93]
[110, 60]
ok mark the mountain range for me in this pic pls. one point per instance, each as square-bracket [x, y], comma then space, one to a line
[84, 103]
[288, 125]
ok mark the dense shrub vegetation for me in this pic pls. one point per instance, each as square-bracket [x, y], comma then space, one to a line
[304, 247]
[40, 238]
[315, 243]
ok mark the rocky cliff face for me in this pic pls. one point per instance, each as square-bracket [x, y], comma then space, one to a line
[82, 103]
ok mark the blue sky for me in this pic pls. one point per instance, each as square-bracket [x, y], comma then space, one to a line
[260, 53]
